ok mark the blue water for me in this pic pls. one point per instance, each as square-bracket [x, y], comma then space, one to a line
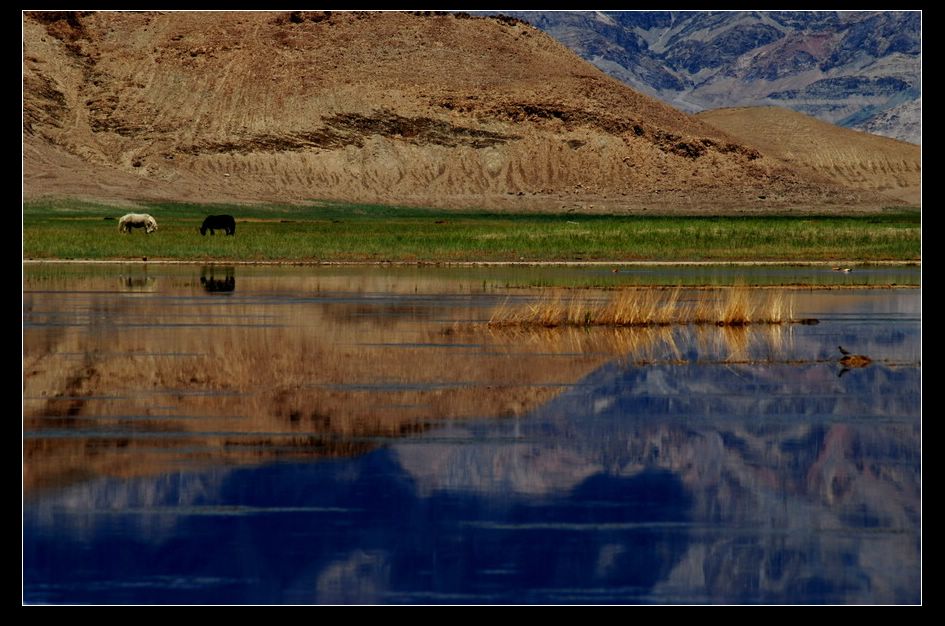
[694, 478]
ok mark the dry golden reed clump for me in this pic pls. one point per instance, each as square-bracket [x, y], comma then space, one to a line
[735, 306]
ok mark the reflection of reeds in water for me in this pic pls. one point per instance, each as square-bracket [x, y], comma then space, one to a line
[653, 344]
[638, 344]
[745, 344]
[743, 306]
[736, 306]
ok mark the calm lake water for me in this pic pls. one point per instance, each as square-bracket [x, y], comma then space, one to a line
[359, 435]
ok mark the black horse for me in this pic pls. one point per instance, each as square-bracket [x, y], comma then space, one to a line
[219, 222]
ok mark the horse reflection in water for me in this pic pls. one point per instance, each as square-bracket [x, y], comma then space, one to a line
[137, 283]
[218, 279]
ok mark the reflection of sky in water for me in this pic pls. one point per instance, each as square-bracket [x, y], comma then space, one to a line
[707, 480]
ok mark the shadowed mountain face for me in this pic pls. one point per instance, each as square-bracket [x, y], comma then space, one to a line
[850, 68]
[434, 109]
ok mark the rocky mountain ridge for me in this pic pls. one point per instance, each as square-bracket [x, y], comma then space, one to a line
[848, 68]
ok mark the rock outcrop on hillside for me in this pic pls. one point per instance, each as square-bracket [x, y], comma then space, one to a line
[903, 121]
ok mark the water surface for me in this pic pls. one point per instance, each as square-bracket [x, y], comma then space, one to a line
[342, 435]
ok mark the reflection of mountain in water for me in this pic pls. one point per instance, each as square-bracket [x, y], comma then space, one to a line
[705, 483]
[357, 531]
[245, 449]
[804, 487]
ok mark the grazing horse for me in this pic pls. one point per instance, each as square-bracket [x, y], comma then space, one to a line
[137, 220]
[219, 222]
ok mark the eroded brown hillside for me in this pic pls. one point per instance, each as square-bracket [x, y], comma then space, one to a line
[437, 110]
[851, 158]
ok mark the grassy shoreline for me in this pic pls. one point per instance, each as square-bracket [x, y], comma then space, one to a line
[341, 233]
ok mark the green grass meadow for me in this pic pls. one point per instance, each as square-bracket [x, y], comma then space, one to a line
[350, 232]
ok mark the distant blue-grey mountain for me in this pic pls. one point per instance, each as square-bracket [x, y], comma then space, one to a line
[847, 68]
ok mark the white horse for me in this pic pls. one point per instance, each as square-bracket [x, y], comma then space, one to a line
[137, 220]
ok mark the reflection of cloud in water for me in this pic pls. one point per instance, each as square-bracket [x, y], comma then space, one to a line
[93, 501]
[360, 578]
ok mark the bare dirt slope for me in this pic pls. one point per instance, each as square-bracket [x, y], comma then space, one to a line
[851, 158]
[396, 108]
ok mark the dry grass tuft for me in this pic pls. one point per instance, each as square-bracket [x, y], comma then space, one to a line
[735, 306]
